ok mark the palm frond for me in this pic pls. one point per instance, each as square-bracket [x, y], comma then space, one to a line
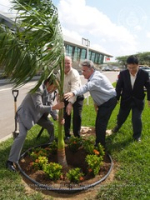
[36, 45]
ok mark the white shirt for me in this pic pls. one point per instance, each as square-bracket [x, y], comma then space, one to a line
[72, 82]
[99, 87]
[133, 78]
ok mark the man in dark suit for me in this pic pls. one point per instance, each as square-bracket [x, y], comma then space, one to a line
[34, 109]
[130, 87]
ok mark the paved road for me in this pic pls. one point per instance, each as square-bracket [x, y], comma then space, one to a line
[7, 124]
[7, 108]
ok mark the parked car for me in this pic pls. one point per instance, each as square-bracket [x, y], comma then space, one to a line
[144, 67]
[147, 70]
[116, 69]
[106, 69]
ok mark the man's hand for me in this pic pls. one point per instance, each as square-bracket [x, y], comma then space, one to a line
[69, 108]
[68, 95]
[61, 121]
[58, 106]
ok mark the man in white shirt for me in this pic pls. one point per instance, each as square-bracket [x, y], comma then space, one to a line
[103, 94]
[72, 82]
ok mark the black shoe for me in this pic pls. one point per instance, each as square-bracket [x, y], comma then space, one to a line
[67, 139]
[10, 166]
[95, 145]
[115, 130]
[52, 140]
[137, 139]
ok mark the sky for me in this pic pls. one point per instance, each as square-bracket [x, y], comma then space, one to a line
[117, 27]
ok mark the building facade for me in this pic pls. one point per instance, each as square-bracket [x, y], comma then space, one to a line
[77, 50]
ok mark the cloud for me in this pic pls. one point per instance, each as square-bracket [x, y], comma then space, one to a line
[5, 5]
[77, 17]
[148, 34]
[80, 20]
[6, 8]
[71, 33]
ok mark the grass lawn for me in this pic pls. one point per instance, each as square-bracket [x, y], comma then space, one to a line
[131, 159]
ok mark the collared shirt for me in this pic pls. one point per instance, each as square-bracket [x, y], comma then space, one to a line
[72, 82]
[99, 87]
[133, 78]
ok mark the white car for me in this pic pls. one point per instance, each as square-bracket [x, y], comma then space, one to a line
[147, 70]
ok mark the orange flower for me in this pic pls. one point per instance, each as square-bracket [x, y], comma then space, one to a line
[74, 142]
[96, 152]
[31, 163]
[81, 178]
[90, 170]
[37, 160]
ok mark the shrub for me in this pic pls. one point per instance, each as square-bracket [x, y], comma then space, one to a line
[39, 163]
[53, 170]
[100, 148]
[88, 146]
[74, 143]
[94, 162]
[53, 147]
[75, 175]
[38, 152]
[91, 149]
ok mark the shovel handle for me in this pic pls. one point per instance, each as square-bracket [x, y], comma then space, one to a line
[15, 94]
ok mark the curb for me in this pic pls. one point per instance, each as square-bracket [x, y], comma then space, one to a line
[7, 81]
[6, 137]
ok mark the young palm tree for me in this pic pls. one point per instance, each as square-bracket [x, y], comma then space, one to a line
[35, 44]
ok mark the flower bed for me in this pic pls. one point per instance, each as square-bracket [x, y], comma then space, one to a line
[87, 166]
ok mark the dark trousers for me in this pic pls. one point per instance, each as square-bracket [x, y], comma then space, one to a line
[136, 119]
[77, 109]
[103, 115]
[48, 125]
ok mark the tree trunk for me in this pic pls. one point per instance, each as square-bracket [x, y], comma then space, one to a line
[62, 158]
[61, 144]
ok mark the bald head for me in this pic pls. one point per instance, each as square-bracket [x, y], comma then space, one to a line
[68, 64]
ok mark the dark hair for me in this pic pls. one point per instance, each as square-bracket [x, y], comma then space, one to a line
[88, 63]
[132, 60]
[51, 79]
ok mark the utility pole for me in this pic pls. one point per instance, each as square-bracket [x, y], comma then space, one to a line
[86, 43]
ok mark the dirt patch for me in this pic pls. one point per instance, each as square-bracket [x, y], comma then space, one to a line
[76, 160]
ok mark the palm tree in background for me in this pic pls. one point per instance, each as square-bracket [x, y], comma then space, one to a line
[35, 45]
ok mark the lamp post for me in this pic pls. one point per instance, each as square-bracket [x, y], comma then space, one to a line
[86, 43]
